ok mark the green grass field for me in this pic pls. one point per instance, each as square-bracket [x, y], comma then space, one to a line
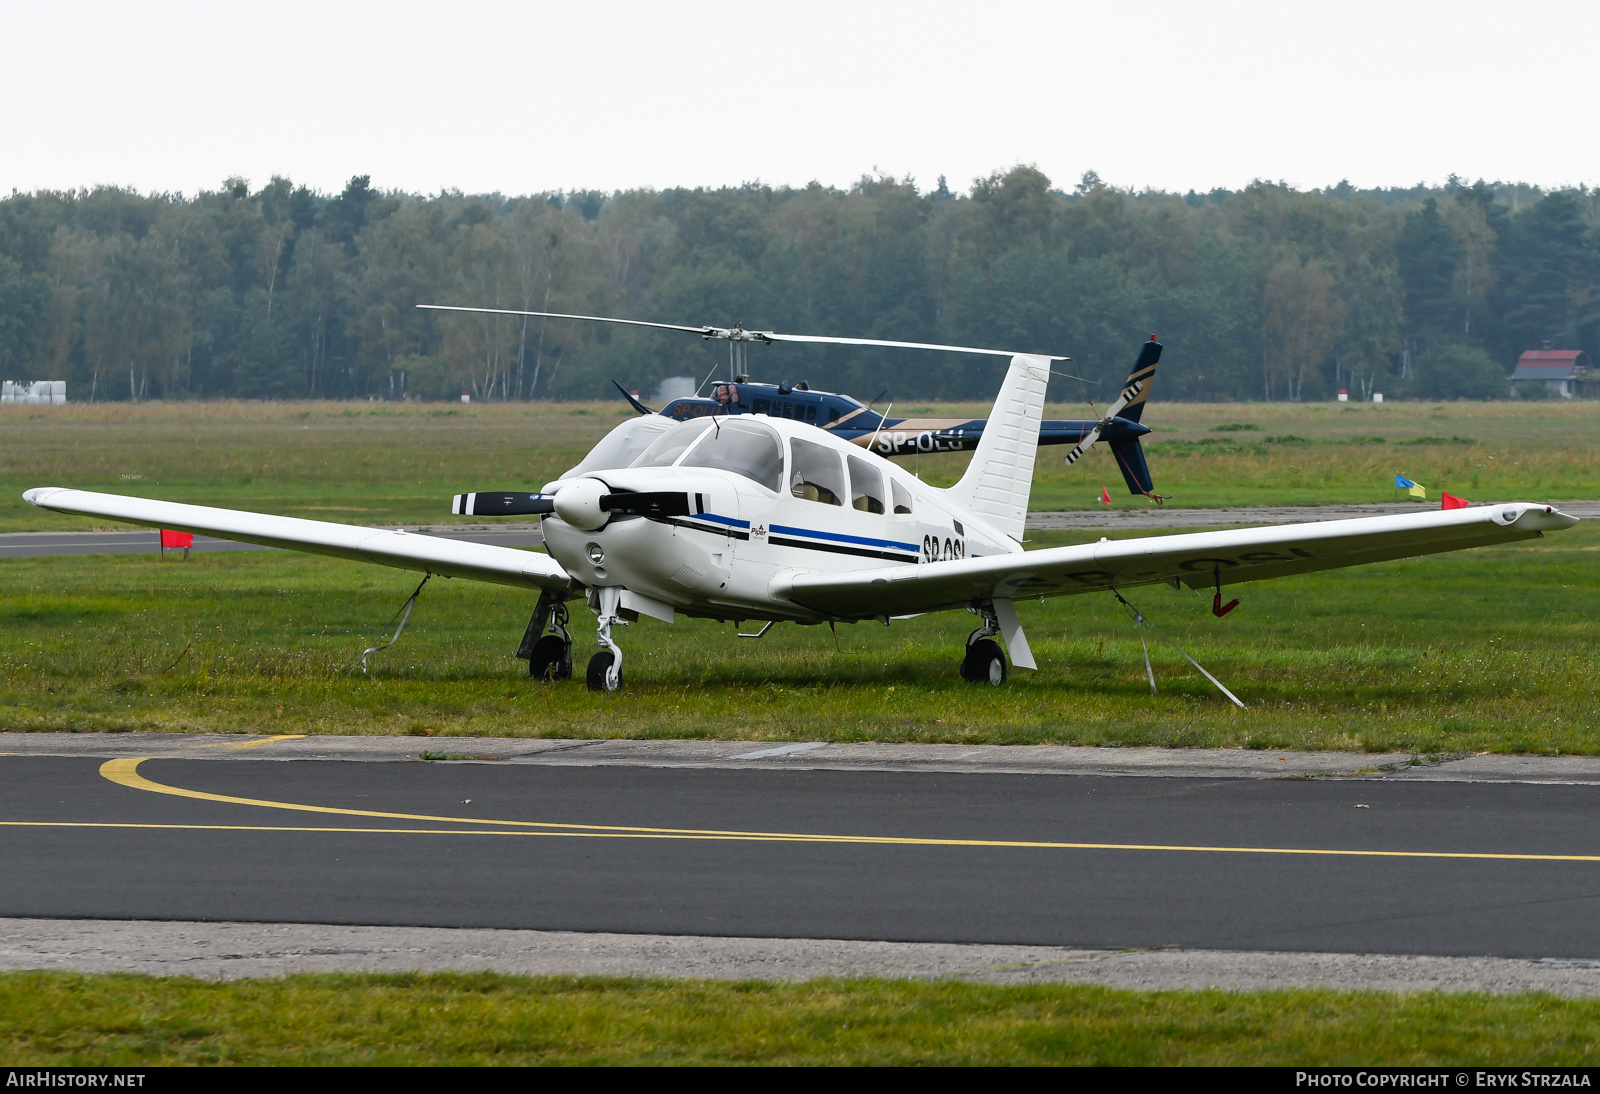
[1489, 649]
[62, 1019]
[374, 463]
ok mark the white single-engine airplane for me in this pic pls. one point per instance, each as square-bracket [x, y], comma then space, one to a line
[769, 519]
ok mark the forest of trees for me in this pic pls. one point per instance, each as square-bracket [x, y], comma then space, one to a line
[1266, 293]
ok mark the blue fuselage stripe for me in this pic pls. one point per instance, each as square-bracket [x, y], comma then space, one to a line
[734, 522]
[837, 538]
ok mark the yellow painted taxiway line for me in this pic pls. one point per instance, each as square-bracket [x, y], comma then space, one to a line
[124, 772]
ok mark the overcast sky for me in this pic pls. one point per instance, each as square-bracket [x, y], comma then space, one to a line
[490, 96]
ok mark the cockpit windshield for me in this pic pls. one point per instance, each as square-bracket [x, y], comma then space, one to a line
[743, 447]
[671, 444]
[622, 445]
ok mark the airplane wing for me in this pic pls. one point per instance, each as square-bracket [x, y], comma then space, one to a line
[1198, 559]
[402, 550]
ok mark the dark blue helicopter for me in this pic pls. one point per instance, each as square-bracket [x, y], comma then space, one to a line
[849, 418]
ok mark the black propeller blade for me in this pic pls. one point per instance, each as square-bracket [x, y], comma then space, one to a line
[501, 505]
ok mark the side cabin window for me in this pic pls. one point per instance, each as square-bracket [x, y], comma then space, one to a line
[744, 447]
[866, 486]
[815, 472]
[833, 414]
[811, 413]
[762, 406]
[902, 497]
[671, 444]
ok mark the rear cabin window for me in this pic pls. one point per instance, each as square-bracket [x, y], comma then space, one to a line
[745, 448]
[902, 497]
[866, 486]
[815, 473]
[671, 444]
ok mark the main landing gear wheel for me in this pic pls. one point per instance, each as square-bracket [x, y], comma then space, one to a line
[602, 676]
[984, 663]
[551, 658]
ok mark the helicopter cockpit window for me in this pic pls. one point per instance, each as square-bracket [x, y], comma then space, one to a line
[622, 445]
[743, 447]
[902, 497]
[866, 486]
[815, 472]
[671, 444]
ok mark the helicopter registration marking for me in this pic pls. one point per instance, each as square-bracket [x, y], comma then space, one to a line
[896, 442]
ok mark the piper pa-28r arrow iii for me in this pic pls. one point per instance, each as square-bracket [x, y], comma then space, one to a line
[770, 519]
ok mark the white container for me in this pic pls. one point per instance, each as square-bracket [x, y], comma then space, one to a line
[1377, 397]
[37, 393]
[675, 387]
[1344, 396]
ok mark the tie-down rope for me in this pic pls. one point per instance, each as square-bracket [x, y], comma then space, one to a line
[404, 615]
[1139, 621]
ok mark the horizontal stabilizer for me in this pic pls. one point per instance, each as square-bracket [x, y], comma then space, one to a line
[485, 504]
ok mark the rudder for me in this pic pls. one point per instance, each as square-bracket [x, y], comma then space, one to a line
[1000, 477]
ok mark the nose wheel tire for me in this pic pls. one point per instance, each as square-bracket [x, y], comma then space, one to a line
[551, 659]
[984, 663]
[603, 675]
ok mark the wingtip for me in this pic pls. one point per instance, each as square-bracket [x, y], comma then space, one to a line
[38, 494]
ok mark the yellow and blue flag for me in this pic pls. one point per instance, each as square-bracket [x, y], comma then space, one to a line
[1403, 483]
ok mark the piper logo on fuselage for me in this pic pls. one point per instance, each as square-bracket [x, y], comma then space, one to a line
[759, 531]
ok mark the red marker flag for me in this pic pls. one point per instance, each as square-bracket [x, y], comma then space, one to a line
[1105, 495]
[170, 538]
[1450, 501]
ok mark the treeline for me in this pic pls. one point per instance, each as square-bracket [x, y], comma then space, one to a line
[1264, 293]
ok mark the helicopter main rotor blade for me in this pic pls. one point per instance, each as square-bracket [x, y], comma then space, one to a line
[705, 332]
[827, 340]
[739, 334]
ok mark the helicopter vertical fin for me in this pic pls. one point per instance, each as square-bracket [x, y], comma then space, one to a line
[1000, 476]
[1143, 372]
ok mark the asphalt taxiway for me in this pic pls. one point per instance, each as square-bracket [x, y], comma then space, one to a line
[1082, 851]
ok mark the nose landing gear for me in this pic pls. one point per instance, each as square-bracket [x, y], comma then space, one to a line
[985, 662]
[605, 667]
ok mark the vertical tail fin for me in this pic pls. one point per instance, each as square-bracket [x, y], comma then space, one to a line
[1000, 476]
[1144, 370]
[1130, 461]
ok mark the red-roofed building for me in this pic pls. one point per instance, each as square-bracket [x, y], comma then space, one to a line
[1566, 372]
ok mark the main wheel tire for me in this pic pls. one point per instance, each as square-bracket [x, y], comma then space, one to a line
[600, 669]
[551, 659]
[984, 663]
